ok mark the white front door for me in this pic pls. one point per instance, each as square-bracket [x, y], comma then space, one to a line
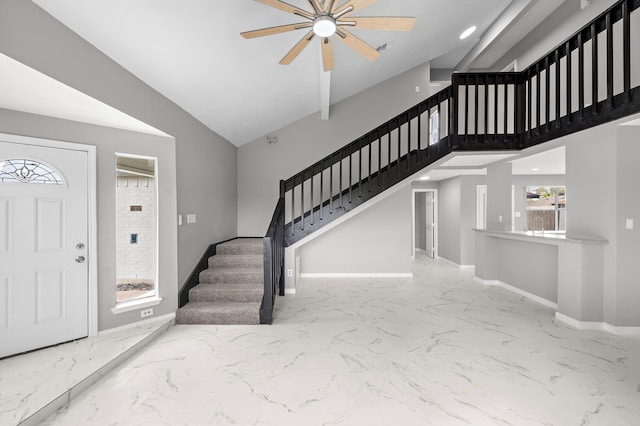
[43, 246]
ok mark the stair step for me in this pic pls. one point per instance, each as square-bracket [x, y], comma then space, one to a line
[232, 276]
[219, 313]
[241, 246]
[236, 261]
[226, 293]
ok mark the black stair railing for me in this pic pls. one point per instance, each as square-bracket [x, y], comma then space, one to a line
[578, 85]
[590, 79]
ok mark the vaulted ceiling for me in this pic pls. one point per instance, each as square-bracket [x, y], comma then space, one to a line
[191, 51]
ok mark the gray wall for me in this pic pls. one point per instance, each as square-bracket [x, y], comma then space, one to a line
[628, 240]
[261, 166]
[559, 26]
[206, 163]
[449, 199]
[377, 240]
[499, 196]
[109, 141]
[420, 225]
[468, 206]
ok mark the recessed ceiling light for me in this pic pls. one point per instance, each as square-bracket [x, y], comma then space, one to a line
[535, 169]
[425, 178]
[467, 32]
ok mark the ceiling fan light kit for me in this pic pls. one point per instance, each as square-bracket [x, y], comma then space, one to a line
[325, 20]
[324, 26]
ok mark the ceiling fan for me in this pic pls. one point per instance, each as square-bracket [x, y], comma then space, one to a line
[326, 19]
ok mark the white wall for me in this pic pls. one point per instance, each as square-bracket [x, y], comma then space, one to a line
[136, 260]
[109, 142]
[206, 163]
[261, 166]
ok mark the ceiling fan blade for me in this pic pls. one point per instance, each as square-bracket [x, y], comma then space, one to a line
[382, 23]
[295, 51]
[275, 30]
[327, 54]
[316, 6]
[356, 4]
[357, 44]
[287, 8]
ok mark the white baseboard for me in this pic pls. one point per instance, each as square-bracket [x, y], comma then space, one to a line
[166, 317]
[622, 331]
[289, 291]
[598, 326]
[451, 262]
[519, 291]
[357, 275]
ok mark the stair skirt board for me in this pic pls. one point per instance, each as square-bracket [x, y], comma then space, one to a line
[231, 289]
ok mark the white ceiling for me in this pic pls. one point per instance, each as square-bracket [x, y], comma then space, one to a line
[25, 89]
[550, 162]
[191, 52]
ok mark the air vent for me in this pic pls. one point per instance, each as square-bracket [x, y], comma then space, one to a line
[385, 46]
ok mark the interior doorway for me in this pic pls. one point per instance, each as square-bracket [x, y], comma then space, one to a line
[425, 222]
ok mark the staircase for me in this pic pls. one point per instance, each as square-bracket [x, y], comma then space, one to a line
[230, 291]
[480, 111]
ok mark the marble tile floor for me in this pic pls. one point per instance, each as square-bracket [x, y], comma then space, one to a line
[34, 385]
[436, 349]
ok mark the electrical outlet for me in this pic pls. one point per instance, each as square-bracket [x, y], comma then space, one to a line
[500, 219]
[289, 272]
[146, 313]
[629, 224]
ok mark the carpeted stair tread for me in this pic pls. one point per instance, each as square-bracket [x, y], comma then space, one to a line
[236, 261]
[231, 290]
[232, 276]
[226, 293]
[241, 246]
[219, 313]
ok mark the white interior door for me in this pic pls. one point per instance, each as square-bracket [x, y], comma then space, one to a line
[43, 239]
[430, 225]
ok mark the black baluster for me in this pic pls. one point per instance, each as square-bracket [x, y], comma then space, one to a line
[558, 88]
[610, 77]
[594, 70]
[580, 76]
[626, 47]
[569, 82]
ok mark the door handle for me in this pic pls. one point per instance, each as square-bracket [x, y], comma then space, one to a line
[80, 259]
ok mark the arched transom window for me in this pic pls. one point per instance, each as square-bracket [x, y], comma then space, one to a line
[28, 171]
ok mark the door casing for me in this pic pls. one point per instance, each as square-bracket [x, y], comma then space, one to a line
[413, 220]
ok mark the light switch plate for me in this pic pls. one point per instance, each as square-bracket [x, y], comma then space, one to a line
[191, 218]
[629, 223]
